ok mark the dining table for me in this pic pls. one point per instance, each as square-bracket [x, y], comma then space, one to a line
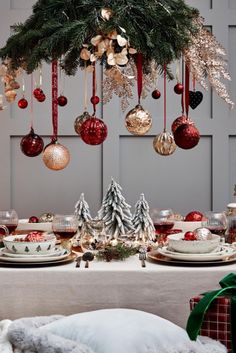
[158, 288]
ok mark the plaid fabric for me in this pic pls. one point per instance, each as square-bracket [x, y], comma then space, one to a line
[216, 322]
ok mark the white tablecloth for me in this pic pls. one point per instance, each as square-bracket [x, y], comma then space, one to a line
[159, 289]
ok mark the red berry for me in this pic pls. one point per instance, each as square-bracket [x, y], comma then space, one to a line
[62, 101]
[194, 216]
[179, 88]
[33, 219]
[22, 103]
[95, 100]
[189, 236]
[156, 94]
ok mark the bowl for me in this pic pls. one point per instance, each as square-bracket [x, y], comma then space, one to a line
[25, 225]
[187, 226]
[177, 243]
[29, 248]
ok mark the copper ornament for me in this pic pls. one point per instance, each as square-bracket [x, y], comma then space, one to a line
[164, 144]
[10, 96]
[56, 156]
[79, 121]
[138, 121]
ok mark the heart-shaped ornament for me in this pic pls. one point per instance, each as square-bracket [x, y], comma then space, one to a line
[195, 98]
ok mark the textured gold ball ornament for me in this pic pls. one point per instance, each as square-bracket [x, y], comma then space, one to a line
[10, 96]
[79, 121]
[138, 121]
[164, 143]
[56, 156]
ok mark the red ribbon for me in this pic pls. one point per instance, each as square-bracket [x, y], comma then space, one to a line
[94, 88]
[54, 100]
[187, 74]
[139, 64]
[194, 83]
[165, 97]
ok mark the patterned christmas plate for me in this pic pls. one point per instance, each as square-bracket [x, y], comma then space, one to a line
[154, 256]
[55, 252]
[53, 262]
[29, 259]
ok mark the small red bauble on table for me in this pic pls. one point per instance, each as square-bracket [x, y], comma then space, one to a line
[156, 94]
[23, 103]
[194, 216]
[179, 88]
[62, 101]
[186, 136]
[33, 219]
[37, 92]
[95, 100]
[190, 236]
[32, 144]
[93, 131]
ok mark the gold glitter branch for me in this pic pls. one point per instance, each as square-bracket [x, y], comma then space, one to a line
[206, 58]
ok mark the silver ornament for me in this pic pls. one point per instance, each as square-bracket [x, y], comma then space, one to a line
[138, 121]
[164, 143]
[79, 121]
[46, 217]
[203, 234]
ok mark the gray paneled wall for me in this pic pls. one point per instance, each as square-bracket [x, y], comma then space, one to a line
[201, 178]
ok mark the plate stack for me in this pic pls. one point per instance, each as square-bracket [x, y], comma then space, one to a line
[200, 252]
[34, 248]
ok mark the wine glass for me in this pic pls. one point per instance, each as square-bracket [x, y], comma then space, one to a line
[9, 219]
[65, 227]
[217, 223]
[163, 221]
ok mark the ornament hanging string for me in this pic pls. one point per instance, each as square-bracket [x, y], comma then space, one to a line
[187, 76]
[177, 74]
[94, 89]
[31, 101]
[85, 88]
[54, 100]
[194, 83]
[139, 65]
[165, 98]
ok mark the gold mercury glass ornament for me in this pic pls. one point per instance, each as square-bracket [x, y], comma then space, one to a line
[164, 143]
[56, 156]
[79, 121]
[138, 121]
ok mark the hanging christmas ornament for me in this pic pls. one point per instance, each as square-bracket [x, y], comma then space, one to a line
[164, 143]
[56, 156]
[41, 98]
[32, 144]
[23, 103]
[95, 100]
[179, 121]
[186, 135]
[62, 101]
[156, 94]
[179, 88]
[37, 92]
[93, 131]
[195, 98]
[10, 96]
[138, 121]
[79, 121]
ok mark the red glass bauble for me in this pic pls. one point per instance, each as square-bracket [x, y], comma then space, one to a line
[186, 136]
[62, 101]
[194, 216]
[179, 88]
[93, 131]
[41, 98]
[32, 144]
[37, 92]
[180, 121]
[33, 219]
[95, 100]
[156, 94]
[22, 103]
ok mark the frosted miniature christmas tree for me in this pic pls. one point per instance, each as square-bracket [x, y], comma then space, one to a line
[82, 211]
[115, 212]
[142, 222]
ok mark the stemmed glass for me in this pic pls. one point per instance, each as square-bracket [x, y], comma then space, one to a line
[217, 223]
[163, 221]
[65, 228]
[9, 219]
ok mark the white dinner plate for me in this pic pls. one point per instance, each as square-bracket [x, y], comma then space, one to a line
[38, 259]
[224, 253]
[56, 252]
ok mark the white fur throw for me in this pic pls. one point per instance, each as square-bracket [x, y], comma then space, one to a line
[102, 331]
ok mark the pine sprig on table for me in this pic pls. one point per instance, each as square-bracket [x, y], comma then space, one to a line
[159, 29]
[117, 252]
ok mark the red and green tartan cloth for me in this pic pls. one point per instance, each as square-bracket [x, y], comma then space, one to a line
[213, 314]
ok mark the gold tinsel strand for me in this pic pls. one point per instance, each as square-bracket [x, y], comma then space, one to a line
[206, 58]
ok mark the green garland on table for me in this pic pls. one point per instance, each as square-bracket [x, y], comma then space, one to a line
[159, 29]
[117, 252]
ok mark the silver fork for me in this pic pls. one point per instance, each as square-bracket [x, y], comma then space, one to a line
[78, 261]
[142, 258]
